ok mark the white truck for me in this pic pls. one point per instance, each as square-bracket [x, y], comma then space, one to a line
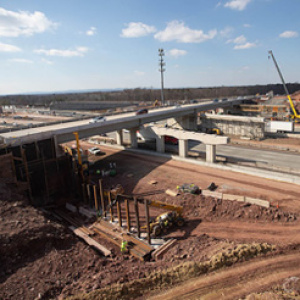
[279, 126]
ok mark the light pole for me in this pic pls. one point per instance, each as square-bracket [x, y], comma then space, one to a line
[161, 53]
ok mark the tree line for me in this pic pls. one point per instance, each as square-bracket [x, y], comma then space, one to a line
[148, 94]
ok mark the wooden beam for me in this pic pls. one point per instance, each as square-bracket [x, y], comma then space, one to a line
[96, 198]
[89, 196]
[90, 241]
[102, 198]
[147, 221]
[158, 253]
[119, 213]
[110, 207]
[137, 217]
[127, 214]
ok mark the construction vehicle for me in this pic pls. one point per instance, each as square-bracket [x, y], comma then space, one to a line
[216, 131]
[171, 218]
[295, 114]
[156, 103]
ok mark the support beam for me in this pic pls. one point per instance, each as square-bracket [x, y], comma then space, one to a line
[211, 153]
[127, 214]
[183, 148]
[160, 144]
[133, 138]
[137, 217]
[119, 213]
[96, 198]
[147, 221]
[110, 207]
[119, 134]
[102, 198]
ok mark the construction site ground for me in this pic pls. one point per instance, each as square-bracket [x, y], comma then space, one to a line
[41, 259]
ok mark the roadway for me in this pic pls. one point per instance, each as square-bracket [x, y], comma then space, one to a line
[246, 154]
[241, 154]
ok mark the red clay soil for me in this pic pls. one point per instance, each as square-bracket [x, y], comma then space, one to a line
[41, 259]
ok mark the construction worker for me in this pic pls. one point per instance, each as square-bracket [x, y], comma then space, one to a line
[123, 245]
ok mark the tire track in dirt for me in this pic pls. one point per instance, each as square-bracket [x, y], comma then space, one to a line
[271, 233]
[237, 281]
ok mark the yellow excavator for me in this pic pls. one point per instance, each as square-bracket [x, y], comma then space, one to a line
[171, 218]
[295, 114]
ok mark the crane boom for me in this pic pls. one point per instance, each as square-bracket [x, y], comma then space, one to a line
[284, 86]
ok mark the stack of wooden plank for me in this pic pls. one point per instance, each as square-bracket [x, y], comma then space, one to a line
[81, 231]
[115, 234]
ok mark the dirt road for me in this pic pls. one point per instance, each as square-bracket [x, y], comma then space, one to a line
[238, 281]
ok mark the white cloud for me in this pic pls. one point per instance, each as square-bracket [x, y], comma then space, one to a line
[289, 34]
[92, 31]
[226, 32]
[9, 48]
[245, 46]
[139, 73]
[64, 53]
[241, 43]
[176, 52]
[135, 30]
[247, 25]
[238, 40]
[46, 61]
[21, 60]
[237, 4]
[14, 24]
[177, 31]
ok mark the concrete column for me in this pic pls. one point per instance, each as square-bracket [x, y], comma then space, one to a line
[210, 153]
[119, 135]
[183, 148]
[160, 144]
[133, 138]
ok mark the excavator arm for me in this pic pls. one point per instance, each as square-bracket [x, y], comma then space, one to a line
[165, 206]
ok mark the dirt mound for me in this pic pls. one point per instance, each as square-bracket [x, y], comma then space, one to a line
[177, 274]
[208, 208]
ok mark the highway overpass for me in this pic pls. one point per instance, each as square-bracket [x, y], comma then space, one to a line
[64, 132]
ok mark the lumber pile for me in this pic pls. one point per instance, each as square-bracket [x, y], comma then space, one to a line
[158, 253]
[136, 247]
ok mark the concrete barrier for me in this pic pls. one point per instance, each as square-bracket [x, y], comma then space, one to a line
[239, 198]
[259, 202]
[234, 197]
[212, 194]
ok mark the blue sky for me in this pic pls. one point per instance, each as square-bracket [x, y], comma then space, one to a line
[60, 45]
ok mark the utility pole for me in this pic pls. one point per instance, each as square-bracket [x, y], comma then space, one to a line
[161, 53]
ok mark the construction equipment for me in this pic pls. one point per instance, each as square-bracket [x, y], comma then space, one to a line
[188, 188]
[295, 113]
[173, 217]
[156, 103]
[216, 131]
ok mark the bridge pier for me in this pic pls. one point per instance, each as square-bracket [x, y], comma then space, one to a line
[210, 153]
[183, 148]
[160, 144]
[119, 137]
[133, 138]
